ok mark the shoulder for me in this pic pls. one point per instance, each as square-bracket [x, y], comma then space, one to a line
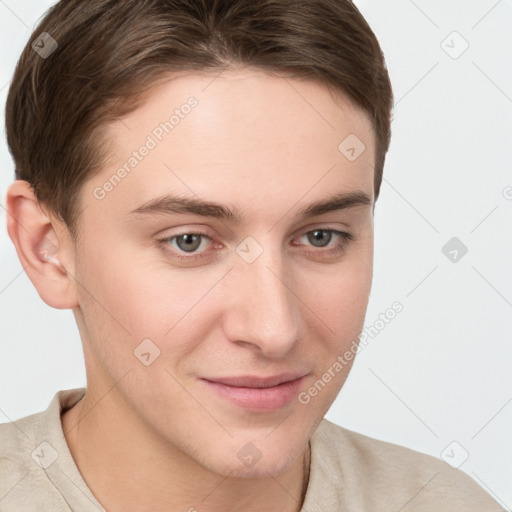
[24, 458]
[391, 475]
[24, 484]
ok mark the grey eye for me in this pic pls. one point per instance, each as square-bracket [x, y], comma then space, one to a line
[189, 242]
[319, 237]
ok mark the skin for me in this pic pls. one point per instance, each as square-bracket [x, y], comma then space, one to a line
[267, 146]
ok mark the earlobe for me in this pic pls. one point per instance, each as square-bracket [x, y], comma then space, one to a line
[40, 248]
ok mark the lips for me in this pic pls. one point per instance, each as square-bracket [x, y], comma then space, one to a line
[257, 382]
[257, 393]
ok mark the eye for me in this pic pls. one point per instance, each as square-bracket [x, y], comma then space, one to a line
[186, 246]
[185, 243]
[322, 237]
[189, 242]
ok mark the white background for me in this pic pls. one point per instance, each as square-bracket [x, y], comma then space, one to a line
[441, 370]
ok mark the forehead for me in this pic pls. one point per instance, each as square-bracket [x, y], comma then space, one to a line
[239, 98]
[240, 133]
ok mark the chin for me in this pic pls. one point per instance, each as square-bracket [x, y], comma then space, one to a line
[272, 467]
[251, 462]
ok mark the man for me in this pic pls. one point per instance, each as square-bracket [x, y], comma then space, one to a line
[196, 180]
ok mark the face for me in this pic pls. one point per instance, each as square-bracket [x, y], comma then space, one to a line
[224, 327]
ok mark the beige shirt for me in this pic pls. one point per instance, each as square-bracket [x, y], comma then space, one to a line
[349, 472]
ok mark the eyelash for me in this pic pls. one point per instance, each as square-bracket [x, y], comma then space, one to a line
[345, 238]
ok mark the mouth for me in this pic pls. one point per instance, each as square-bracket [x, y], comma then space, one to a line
[255, 393]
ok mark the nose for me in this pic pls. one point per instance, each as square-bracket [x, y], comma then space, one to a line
[263, 309]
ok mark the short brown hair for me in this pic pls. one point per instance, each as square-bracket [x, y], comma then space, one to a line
[111, 53]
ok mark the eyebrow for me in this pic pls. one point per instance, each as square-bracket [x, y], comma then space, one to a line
[170, 204]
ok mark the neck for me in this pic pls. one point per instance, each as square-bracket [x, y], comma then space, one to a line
[152, 474]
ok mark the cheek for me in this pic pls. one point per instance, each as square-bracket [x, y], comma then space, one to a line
[338, 301]
[130, 299]
[131, 293]
[339, 295]
[116, 302]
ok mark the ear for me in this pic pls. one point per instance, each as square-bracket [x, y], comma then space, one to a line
[44, 247]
